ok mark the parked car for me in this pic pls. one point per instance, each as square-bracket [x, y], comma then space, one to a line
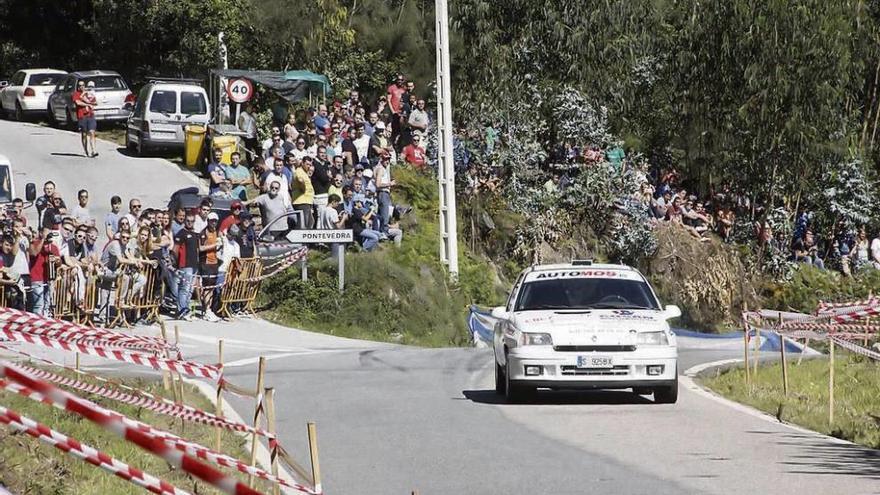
[27, 92]
[115, 100]
[164, 107]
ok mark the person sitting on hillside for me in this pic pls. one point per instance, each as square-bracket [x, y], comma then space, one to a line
[724, 221]
[804, 250]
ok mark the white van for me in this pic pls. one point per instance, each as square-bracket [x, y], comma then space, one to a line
[164, 107]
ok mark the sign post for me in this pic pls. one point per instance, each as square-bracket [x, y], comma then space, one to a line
[240, 91]
[336, 238]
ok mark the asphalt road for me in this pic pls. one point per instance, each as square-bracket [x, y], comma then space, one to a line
[392, 419]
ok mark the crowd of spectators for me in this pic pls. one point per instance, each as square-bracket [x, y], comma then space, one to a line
[332, 171]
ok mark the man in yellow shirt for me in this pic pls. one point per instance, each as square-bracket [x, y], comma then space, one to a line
[303, 193]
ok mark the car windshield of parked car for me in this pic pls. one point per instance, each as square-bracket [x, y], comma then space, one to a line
[107, 83]
[163, 101]
[45, 79]
[5, 184]
[585, 293]
[193, 103]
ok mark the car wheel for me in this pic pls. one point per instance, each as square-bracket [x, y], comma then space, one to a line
[69, 121]
[19, 113]
[129, 144]
[642, 391]
[500, 380]
[667, 395]
[141, 147]
[514, 392]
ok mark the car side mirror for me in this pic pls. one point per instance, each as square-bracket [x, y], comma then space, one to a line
[30, 191]
[499, 312]
[672, 311]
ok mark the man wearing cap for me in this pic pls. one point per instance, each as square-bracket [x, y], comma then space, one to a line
[209, 262]
[238, 175]
[234, 217]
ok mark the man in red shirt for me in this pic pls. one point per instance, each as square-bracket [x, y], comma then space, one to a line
[234, 218]
[84, 101]
[414, 154]
[44, 258]
[395, 102]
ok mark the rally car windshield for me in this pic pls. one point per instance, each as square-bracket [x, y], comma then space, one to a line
[584, 294]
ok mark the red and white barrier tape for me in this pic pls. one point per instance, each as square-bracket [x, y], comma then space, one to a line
[147, 401]
[188, 368]
[94, 413]
[831, 327]
[857, 315]
[825, 305]
[855, 348]
[32, 324]
[169, 439]
[87, 453]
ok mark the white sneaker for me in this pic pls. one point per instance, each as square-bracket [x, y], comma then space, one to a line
[210, 316]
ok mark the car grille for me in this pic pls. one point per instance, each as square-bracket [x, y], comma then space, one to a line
[575, 371]
[594, 348]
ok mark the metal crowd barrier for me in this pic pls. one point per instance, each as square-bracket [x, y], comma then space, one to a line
[241, 286]
[138, 294]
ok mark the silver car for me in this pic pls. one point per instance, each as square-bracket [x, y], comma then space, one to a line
[115, 100]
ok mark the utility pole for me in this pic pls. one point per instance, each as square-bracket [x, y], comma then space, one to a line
[446, 161]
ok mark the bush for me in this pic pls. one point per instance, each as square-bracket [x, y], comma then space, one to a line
[809, 285]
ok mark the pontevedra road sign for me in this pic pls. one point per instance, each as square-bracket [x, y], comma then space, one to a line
[320, 236]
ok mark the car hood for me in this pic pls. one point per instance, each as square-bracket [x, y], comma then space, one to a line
[593, 327]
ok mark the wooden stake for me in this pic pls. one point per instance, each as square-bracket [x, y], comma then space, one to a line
[218, 404]
[76, 363]
[313, 456]
[270, 425]
[757, 354]
[831, 383]
[803, 351]
[258, 408]
[165, 374]
[784, 364]
[746, 354]
[179, 376]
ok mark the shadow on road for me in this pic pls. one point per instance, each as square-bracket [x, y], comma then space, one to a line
[822, 457]
[76, 155]
[560, 397]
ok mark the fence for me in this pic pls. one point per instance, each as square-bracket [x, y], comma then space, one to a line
[241, 285]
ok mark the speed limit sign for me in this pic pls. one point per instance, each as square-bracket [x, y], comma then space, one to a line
[239, 90]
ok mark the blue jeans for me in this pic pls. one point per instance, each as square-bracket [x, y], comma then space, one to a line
[384, 210]
[42, 296]
[184, 288]
[370, 239]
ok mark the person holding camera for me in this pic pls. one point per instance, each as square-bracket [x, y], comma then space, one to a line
[45, 257]
[10, 277]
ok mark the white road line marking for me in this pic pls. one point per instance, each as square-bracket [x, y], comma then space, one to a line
[253, 360]
[687, 379]
[240, 343]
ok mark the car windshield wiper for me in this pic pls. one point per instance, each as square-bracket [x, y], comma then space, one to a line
[617, 306]
[547, 306]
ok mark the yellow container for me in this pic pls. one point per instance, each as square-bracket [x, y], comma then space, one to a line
[226, 143]
[193, 144]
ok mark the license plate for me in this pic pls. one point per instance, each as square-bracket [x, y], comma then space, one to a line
[595, 362]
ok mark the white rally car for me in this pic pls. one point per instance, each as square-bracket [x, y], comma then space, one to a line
[585, 326]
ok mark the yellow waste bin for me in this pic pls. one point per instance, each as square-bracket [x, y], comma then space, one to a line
[226, 143]
[193, 144]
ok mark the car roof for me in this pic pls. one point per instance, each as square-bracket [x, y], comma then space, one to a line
[92, 73]
[4, 160]
[579, 266]
[176, 86]
[43, 71]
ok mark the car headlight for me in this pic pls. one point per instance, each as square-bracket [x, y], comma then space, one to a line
[535, 339]
[653, 338]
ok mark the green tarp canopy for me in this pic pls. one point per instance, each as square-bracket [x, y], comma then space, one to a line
[293, 85]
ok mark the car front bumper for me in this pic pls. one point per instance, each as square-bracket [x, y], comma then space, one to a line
[560, 369]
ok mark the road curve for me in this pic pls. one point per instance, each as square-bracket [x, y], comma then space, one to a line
[392, 419]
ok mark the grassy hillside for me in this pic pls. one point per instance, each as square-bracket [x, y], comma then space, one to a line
[391, 294]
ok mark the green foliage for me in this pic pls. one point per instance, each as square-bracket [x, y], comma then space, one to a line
[810, 285]
[391, 294]
[855, 398]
